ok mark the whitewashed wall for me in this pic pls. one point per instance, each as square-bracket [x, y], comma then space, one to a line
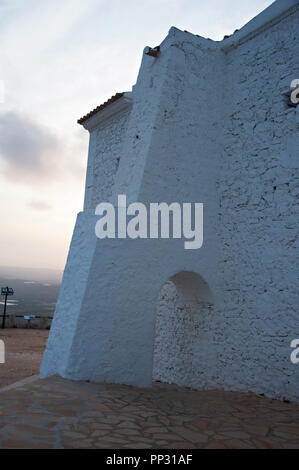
[108, 149]
[258, 191]
[209, 123]
[257, 184]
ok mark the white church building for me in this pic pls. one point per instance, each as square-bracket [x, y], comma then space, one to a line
[207, 122]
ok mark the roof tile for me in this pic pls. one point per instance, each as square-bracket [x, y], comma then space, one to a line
[99, 108]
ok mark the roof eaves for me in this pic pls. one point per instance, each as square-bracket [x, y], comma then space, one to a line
[99, 108]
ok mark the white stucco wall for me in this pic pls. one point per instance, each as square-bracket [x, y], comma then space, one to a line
[258, 190]
[257, 185]
[256, 225]
[208, 123]
[108, 149]
[107, 136]
[185, 328]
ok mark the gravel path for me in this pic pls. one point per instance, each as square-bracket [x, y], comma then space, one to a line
[23, 353]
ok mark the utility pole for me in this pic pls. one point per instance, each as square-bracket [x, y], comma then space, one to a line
[6, 291]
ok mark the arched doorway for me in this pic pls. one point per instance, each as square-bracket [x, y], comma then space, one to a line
[182, 333]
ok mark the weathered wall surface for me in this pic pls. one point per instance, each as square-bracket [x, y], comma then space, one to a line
[182, 165]
[108, 149]
[105, 149]
[258, 214]
[70, 301]
[256, 184]
[208, 124]
[183, 351]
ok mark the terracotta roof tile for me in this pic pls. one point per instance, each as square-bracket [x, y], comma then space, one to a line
[99, 108]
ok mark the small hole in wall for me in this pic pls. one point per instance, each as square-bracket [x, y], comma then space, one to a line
[137, 136]
[274, 188]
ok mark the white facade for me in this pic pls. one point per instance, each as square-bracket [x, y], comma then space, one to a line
[206, 122]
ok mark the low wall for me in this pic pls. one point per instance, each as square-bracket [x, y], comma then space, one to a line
[18, 321]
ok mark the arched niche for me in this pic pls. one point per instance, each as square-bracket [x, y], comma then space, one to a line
[183, 317]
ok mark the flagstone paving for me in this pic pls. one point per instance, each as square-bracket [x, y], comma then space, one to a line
[57, 413]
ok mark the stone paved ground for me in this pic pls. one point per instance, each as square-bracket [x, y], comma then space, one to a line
[56, 413]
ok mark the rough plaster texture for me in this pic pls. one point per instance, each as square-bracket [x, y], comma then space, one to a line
[184, 336]
[207, 122]
[107, 156]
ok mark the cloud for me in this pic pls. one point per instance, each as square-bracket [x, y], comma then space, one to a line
[39, 205]
[30, 152]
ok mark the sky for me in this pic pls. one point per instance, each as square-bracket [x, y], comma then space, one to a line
[58, 60]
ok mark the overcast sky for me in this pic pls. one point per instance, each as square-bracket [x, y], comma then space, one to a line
[58, 60]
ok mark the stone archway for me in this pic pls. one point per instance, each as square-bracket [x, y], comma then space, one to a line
[183, 316]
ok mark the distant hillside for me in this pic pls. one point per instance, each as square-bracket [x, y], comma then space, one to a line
[30, 297]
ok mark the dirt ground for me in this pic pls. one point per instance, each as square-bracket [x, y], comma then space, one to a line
[23, 353]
